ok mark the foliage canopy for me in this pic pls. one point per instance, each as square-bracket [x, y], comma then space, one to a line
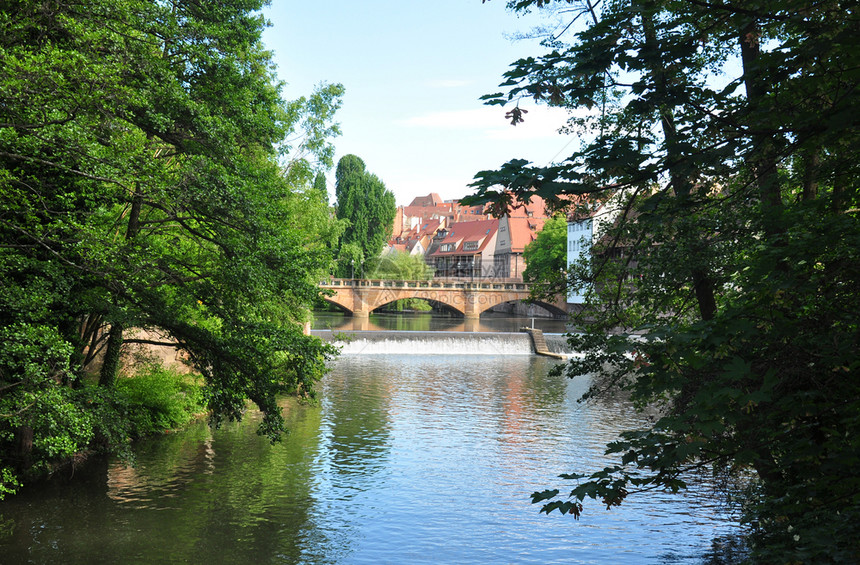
[726, 136]
[402, 266]
[152, 177]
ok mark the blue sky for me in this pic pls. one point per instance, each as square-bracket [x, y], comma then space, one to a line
[413, 73]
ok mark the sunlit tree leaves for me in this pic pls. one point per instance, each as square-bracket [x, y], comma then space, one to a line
[152, 177]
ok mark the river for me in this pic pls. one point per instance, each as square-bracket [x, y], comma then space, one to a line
[406, 459]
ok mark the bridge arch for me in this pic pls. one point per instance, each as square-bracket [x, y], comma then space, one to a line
[338, 301]
[433, 302]
[346, 305]
[553, 309]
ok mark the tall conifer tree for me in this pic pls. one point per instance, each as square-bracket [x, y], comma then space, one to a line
[369, 209]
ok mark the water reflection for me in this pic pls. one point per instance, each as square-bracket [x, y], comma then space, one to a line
[433, 321]
[201, 496]
[407, 459]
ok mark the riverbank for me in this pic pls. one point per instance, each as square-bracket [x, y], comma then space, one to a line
[80, 422]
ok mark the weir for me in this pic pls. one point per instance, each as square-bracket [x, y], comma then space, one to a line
[432, 342]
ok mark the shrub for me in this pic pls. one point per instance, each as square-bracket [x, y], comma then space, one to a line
[158, 399]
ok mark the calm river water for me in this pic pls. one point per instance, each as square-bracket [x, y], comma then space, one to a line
[406, 459]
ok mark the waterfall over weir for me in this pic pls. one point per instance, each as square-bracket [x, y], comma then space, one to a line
[428, 343]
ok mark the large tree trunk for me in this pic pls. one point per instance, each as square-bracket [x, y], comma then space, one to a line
[682, 186]
[811, 163]
[110, 365]
[763, 160]
[24, 446]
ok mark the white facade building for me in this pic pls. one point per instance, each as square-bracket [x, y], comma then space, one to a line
[580, 236]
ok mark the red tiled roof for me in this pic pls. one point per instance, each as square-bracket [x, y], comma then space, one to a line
[462, 233]
[428, 227]
[430, 200]
[443, 209]
[536, 208]
[523, 231]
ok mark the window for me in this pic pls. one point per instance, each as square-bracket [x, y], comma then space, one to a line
[503, 242]
[470, 246]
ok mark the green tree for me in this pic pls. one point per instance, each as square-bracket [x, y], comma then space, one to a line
[368, 209]
[546, 259]
[733, 249]
[147, 182]
[402, 266]
[321, 187]
[308, 147]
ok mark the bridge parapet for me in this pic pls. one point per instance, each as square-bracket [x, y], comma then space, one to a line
[440, 283]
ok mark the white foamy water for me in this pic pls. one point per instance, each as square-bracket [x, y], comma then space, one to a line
[434, 343]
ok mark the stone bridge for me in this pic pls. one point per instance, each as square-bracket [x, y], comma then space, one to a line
[469, 298]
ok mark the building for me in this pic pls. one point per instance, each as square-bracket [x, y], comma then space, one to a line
[584, 228]
[431, 207]
[514, 234]
[464, 241]
[466, 250]
[416, 240]
[580, 237]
